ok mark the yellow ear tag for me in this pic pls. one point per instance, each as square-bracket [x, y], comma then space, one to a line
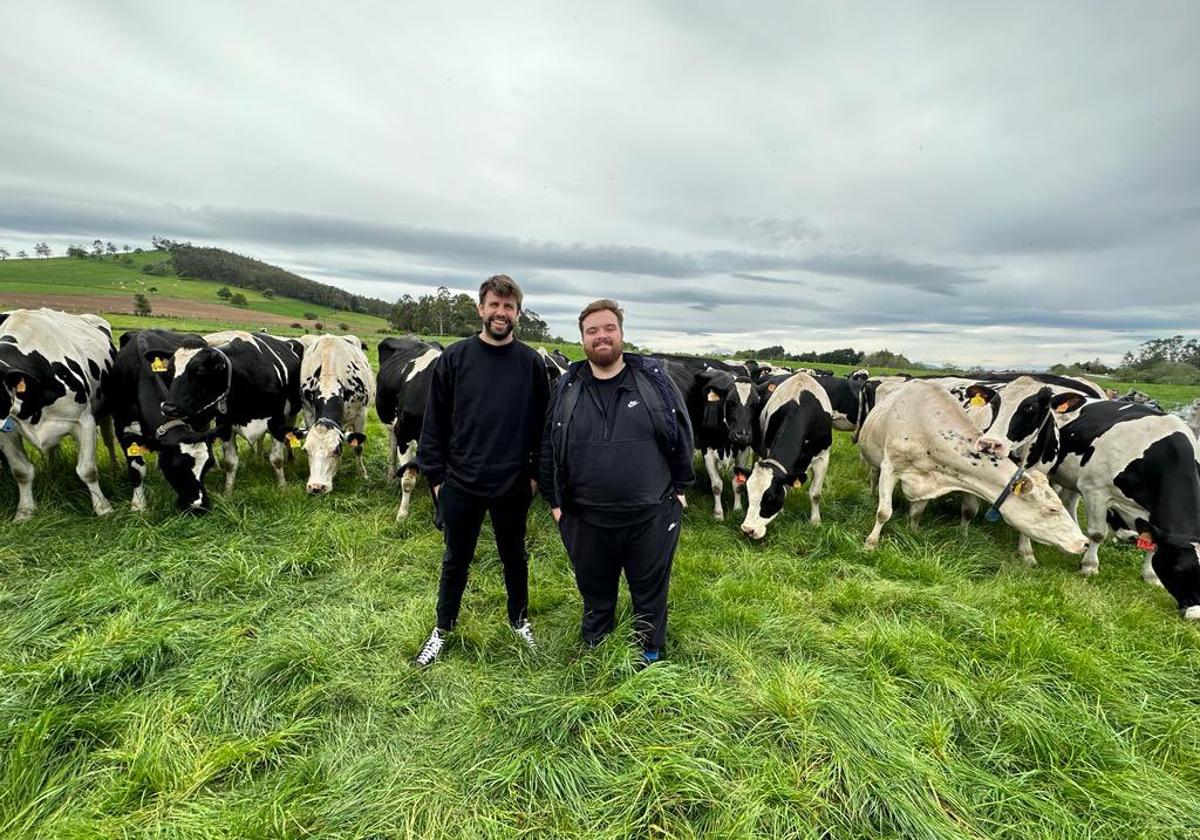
[293, 441]
[1022, 487]
[978, 400]
[1063, 408]
[159, 365]
[798, 483]
[136, 449]
[713, 396]
[20, 389]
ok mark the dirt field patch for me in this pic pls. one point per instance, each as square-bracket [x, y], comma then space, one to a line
[174, 307]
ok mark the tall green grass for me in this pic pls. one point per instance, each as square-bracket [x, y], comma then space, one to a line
[244, 675]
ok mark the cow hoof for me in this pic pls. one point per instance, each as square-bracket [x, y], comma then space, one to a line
[401, 515]
[1153, 580]
[23, 515]
[870, 545]
[1192, 614]
[103, 510]
[137, 507]
[1089, 571]
[718, 515]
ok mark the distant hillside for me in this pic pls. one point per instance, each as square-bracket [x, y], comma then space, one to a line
[108, 285]
[232, 269]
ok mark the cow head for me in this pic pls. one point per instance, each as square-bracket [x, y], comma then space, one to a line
[766, 490]
[731, 404]
[1026, 411]
[202, 379]
[30, 385]
[1034, 509]
[324, 443]
[185, 457]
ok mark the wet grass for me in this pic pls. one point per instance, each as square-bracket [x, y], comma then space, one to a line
[245, 675]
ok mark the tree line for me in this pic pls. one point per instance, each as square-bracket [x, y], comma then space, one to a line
[1174, 360]
[445, 313]
[844, 356]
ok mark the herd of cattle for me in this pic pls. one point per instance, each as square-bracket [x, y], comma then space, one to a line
[1030, 445]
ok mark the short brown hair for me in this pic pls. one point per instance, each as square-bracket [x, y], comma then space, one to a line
[503, 286]
[600, 306]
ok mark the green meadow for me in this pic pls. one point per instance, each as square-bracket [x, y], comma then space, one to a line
[245, 674]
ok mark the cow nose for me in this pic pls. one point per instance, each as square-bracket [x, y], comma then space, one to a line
[739, 439]
[318, 489]
[752, 532]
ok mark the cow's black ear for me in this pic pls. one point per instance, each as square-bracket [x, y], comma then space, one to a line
[979, 395]
[18, 381]
[356, 440]
[365, 347]
[158, 361]
[1063, 403]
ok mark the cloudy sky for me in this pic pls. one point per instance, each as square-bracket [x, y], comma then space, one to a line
[979, 183]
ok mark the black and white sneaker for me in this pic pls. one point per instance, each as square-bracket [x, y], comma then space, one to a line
[524, 632]
[429, 653]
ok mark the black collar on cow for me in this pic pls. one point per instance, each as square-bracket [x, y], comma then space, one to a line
[165, 428]
[222, 400]
[993, 512]
[330, 423]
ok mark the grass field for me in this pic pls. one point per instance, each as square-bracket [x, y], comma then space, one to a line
[243, 675]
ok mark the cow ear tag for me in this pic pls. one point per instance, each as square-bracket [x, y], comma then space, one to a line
[713, 396]
[20, 389]
[978, 400]
[292, 440]
[1145, 542]
[1064, 407]
[8, 425]
[739, 480]
[771, 387]
[136, 449]
[159, 365]
[1022, 487]
[798, 483]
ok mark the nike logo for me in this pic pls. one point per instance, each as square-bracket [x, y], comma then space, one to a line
[671, 527]
[632, 403]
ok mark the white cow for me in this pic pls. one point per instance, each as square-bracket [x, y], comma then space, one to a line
[919, 437]
[336, 388]
[53, 366]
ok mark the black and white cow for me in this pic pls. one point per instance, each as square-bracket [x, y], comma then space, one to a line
[405, 370]
[1138, 470]
[843, 397]
[1190, 414]
[797, 433]
[724, 411]
[54, 367]
[919, 437]
[556, 363]
[860, 375]
[337, 388]
[138, 385]
[247, 383]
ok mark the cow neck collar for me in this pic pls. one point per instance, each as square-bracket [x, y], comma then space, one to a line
[993, 512]
[222, 400]
[775, 465]
[163, 430]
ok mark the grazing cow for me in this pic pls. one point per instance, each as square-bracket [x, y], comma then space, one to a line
[248, 383]
[920, 437]
[797, 425]
[1191, 415]
[1139, 398]
[138, 386]
[1139, 471]
[556, 363]
[405, 369]
[54, 368]
[336, 389]
[844, 397]
[860, 375]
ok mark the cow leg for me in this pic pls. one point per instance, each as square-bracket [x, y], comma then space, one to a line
[820, 466]
[1096, 506]
[968, 509]
[743, 460]
[229, 461]
[1070, 500]
[1148, 573]
[359, 426]
[714, 477]
[393, 446]
[1025, 549]
[278, 457]
[137, 478]
[407, 482]
[22, 470]
[107, 433]
[85, 464]
[915, 511]
[874, 480]
[887, 486]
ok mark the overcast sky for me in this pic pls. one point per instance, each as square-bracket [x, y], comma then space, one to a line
[1001, 184]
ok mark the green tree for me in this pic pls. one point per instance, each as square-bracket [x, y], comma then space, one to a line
[141, 304]
[42, 249]
[268, 293]
[3, 253]
[223, 293]
[239, 299]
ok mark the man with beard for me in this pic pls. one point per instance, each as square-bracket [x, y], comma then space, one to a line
[616, 459]
[478, 450]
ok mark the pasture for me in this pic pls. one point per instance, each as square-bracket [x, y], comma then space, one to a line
[244, 675]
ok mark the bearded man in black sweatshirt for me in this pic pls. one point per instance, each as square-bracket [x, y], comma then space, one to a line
[479, 447]
[616, 460]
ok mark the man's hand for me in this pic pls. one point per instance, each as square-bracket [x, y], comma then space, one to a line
[682, 499]
[556, 513]
[533, 486]
[437, 488]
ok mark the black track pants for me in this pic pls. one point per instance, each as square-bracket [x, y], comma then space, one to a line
[644, 551]
[462, 516]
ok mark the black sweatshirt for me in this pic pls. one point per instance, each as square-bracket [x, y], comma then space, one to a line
[484, 417]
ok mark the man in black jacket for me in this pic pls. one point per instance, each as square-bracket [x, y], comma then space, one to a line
[616, 460]
[479, 447]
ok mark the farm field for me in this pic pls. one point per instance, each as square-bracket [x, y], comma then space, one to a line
[244, 675]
